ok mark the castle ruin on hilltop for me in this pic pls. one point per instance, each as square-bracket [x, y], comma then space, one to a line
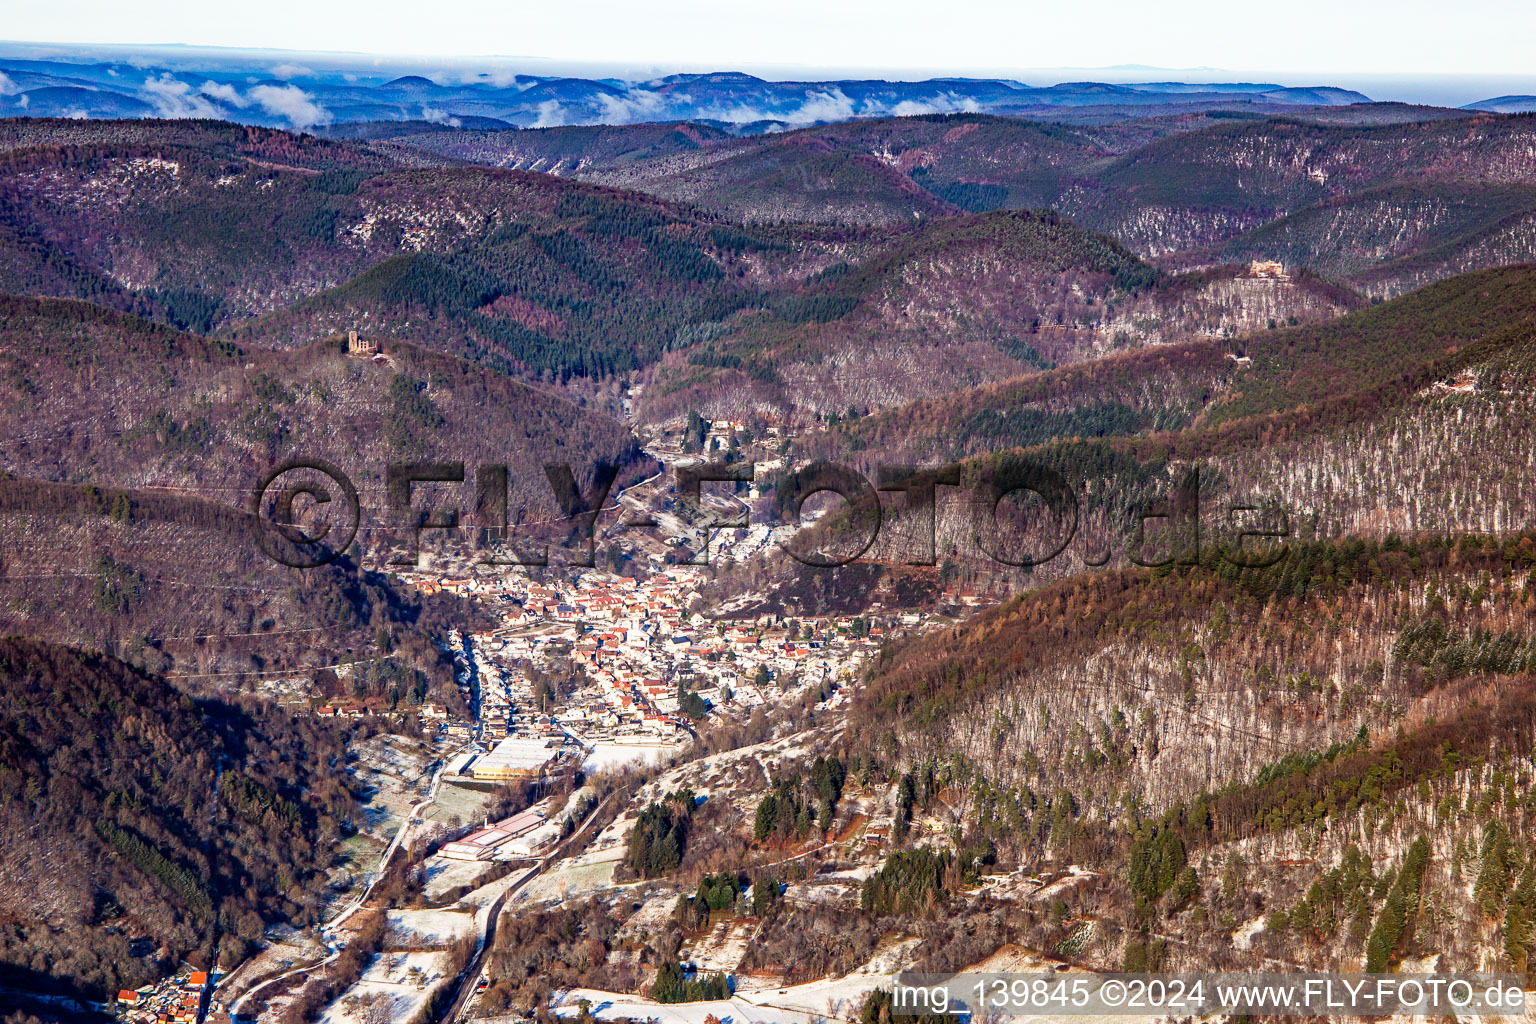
[1271, 269]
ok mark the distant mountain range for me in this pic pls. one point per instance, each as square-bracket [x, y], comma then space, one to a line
[1505, 104]
[289, 95]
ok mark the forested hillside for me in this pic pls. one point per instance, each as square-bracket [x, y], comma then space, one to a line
[1252, 692]
[1248, 767]
[958, 302]
[559, 150]
[597, 284]
[1384, 198]
[1144, 390]
[1405, 417]
[147, 405]
[1397, 237]
[523, 272]
[1221, 744]
[206, 229]
[543, 277]
[136, 449]
[1215, 399]
[142, 826]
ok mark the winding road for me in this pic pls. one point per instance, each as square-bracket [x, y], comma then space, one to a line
[357, 902]
[470, 977]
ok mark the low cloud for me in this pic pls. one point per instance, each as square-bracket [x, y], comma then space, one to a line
[946, 103]
[437, 115]
[551, 115]
[290, 102]
[818, 105]
[172, 97]
[822, 105]
[635, 105]
[832, 104]
[739, 114]
[224, 93]
[8, 87]
[501, 78]
[287, 71]
[23, 100]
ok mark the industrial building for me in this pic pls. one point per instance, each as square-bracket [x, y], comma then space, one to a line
[518, 757]
[484, 844]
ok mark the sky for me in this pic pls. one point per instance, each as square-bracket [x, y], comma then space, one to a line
[1293, 41]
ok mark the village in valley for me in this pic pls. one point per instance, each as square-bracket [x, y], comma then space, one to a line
[595, 668]
[610, 669]
[569, 675]
[708, 545]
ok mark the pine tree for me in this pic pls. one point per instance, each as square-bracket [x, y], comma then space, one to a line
[1519, 921]
[1393, 924]
[1493, 870]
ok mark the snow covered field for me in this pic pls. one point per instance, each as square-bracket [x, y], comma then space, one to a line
[651, 918]
[835, 999]
[829, 999]
[398, 984]
[571, 880]
[723, 948]
[444, 874]
[610, 754]
[616, 1006]
[429, 928]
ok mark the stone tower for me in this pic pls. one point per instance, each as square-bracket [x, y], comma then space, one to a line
[357, 346]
